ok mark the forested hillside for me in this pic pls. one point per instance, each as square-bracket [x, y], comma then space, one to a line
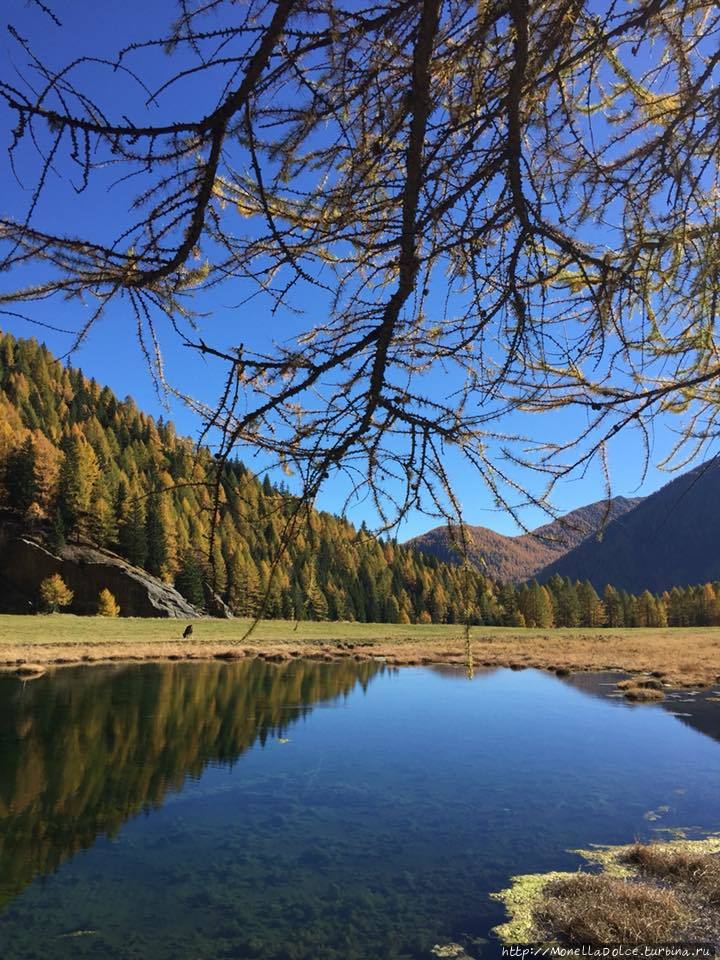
[78, 464]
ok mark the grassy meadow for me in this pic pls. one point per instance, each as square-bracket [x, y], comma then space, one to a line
[683, 656]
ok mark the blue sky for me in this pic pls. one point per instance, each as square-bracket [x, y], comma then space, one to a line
[112, 354]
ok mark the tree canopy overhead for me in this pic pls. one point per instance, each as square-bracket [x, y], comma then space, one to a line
[499, 205]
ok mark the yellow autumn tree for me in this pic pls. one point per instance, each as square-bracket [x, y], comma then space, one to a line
[55, 594]
[107, 605]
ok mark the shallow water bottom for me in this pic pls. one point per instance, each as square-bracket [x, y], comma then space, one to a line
[317, 811]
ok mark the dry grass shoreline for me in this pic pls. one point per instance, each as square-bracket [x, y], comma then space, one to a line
[682, 657]
[644, 893]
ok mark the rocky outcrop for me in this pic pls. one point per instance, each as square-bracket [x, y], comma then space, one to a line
[215, 605]
[24, 564]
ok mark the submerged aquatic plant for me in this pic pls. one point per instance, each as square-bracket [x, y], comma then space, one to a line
[449, 951]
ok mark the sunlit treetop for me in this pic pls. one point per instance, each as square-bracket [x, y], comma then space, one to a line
[499, 206]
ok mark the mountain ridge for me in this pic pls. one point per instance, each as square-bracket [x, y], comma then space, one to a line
[670, 539]
[515, 559]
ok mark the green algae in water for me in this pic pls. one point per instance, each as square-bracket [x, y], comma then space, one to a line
[157, 811]
[521, 899]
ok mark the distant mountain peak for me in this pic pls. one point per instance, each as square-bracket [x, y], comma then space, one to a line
[520, 557]
[669, 539]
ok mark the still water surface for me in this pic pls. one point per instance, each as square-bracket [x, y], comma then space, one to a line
[317, 811]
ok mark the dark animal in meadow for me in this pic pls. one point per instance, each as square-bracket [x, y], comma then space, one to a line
[188, 631]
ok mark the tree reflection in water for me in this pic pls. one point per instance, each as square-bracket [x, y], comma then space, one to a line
[82, 751]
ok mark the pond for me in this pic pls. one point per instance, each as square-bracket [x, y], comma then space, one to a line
[318, 811]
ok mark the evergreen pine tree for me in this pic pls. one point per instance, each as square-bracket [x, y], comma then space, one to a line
[79, 473]
[592, 612]
[132, 536]
[189, 580]
[56, 536]
[508, 599]
[613, 607]
[316, 602]
[568, 605]
[20, 477]
[155, 538]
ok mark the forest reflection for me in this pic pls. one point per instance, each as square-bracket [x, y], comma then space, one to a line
[83, 750]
